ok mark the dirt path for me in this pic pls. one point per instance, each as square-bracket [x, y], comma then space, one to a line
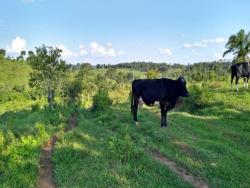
[179, 170]
[45, 172]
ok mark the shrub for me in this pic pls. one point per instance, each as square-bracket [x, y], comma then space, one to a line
[101, 100]
[73, 90]
[18, 88]
[41, 131]
[9, 138]
[199, 96]
[1, 140]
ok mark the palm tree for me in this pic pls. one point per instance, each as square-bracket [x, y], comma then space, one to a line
[239, 45]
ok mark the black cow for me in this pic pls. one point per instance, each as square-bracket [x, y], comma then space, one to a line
[164, 90]
[240, 70]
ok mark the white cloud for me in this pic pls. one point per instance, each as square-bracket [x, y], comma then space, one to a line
[185, 56]
[120, 52]
[66, 52]
[215, 40]
[83, 51]
[205, 42]
[103, 51]
[195, 45]
[17, 45]
[109, 44]
[165, 51]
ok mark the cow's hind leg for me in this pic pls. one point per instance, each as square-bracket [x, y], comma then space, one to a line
[163, 115]
[245, 82]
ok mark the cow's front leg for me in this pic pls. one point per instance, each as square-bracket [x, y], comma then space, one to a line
[163, 115]
[135, 108]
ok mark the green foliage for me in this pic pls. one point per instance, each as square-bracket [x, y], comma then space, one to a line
[2, 55]
[152, 73]
[48, 71]
[73, 90]
[199, 96]
[41, 131]
[101, 100]
[1, 140]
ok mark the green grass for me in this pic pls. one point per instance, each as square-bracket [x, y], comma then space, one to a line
[22, 135]
[14, 73]
[212, 143]
[107, 150]
[101, 152]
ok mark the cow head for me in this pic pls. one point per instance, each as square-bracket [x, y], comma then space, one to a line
[182, 86]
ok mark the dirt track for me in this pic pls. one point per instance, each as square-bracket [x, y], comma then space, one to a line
[45, 172]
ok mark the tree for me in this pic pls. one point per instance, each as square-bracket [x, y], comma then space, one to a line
[21, 56]
[2, 54]
[48, 71]
[239, 45]
[152, 73]
[30, 55]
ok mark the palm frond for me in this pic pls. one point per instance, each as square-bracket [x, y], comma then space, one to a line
[227, 51]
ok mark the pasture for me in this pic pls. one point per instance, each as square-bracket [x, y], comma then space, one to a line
[208, 134]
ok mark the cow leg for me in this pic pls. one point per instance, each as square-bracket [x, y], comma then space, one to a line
[232, 79]
[245, 82]
[163, 115]
[236, 82]
[135, 108]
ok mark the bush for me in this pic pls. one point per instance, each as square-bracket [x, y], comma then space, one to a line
[101, 100]
[73, 90]
[199, 97]
[18, 88]
[1, 140]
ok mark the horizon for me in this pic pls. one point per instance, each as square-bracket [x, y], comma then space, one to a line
[114, 32]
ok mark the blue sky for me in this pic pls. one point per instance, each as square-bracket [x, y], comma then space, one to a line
[114, 31]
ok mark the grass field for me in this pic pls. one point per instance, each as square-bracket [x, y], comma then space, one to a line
[106, 149]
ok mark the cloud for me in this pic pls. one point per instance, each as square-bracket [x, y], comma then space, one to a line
[17, 45]
[195, 45]
[104, 51]
[83, 51]
[205, 42]
[66, 52]
[165, 51]
[216, 40]
[93, 50]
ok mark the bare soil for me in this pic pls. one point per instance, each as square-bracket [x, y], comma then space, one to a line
[182, 172]
[45, 172]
